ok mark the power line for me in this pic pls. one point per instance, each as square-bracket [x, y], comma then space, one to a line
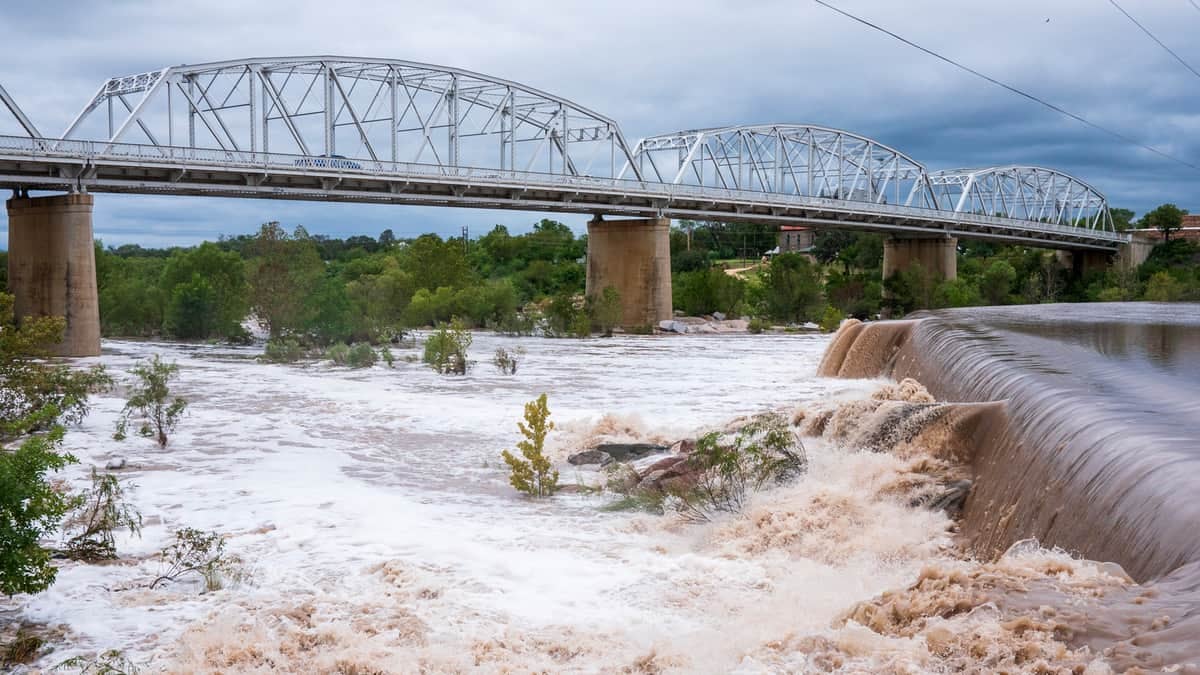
[1082, 120]
[1195, 5]
[1145, 30]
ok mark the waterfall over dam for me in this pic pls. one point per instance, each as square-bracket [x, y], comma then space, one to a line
[1094, 447]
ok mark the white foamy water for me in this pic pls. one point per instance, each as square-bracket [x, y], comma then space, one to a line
[379, 533]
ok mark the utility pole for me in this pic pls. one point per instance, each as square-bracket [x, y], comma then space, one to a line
[466, 235]
[689, 226]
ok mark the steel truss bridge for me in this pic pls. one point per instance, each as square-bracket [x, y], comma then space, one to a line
[330, 128]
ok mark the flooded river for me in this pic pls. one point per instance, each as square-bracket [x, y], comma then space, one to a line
[378, 533]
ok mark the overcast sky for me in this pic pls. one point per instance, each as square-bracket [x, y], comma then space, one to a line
[662, 66]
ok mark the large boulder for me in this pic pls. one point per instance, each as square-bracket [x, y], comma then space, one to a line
[673, 472]
[626, 452]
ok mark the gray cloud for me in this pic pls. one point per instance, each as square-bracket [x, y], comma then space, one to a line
[662, 66]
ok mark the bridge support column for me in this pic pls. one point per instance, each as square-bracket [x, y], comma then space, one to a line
[937, 255]
[1084, 262]
[52, 266]
[633, 256]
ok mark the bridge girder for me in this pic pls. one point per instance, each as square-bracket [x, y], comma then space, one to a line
[787, 159]
[377, 110]
[1030, 193]
[18, 114]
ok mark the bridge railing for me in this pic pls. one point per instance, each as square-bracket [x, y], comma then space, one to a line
[183, 158]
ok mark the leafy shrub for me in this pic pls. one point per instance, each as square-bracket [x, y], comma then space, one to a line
[386, 356]
[197, 552]
[764, 452]
[533, 475]
[357, 355]
[831, 319]
[282, 350]
[30, 508]
[565, 318]
[110, 662]
[30, 385]
[516, 324]
[339, 353]
[709, 290]
[605, 310]
[446, 348]
[98, 513]
[506, 361]
[150, 399]
[758, 325]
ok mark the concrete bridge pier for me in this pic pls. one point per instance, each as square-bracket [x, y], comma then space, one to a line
[633, 256]
[52, 266]
[937, 255]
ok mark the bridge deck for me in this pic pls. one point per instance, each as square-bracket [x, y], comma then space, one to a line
[100, 166]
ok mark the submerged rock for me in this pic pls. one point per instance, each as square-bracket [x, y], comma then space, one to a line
[624, 452]
[952, 498]
[593, 456]
[115, 464]
[668, 474]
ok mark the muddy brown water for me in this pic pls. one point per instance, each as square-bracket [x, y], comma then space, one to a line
[1095, 448]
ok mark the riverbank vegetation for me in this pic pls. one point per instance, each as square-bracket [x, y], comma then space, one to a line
[310, 292]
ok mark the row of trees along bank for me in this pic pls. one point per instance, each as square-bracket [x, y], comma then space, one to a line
[320, 290]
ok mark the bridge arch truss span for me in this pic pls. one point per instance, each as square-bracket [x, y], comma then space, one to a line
[787, 159]
[17, 114]
[350, 112]
[1027, 193]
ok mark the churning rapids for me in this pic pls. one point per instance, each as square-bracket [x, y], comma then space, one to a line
[379, 534]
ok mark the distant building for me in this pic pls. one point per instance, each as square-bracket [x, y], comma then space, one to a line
[795, 239]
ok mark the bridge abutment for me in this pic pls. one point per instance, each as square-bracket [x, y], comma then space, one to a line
[634, 257]
[938, 256]
[52, 266]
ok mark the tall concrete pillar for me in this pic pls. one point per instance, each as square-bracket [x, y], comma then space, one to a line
[633, 256]
[52, 266]
[937, 255]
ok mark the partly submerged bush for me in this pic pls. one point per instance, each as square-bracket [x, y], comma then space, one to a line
[110, 662]
[99, 513]
[197, 552]
[532, 473]
[831, 319]
[446, 348]
[283, 350]
[30, 507]
[725, 469]
[758, 325]
[150, 399]
[506, 361]
[357, 355]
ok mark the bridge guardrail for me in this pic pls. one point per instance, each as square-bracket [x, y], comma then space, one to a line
[184, 157]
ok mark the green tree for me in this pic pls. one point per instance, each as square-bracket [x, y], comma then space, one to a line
[206, 293]
[791, 288]
[150, 399]
[1122, 219]
[1167, 219]
[36, 398]
[532, 472]
[284, 272]
[446, 348]
[996, 283]
[1163, 287]
[434, 263]
[30, 507]
[708, 290]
